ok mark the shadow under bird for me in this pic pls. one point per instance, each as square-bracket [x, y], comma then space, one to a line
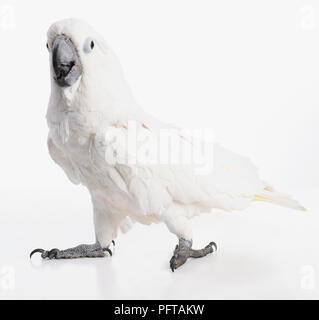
[89, 99]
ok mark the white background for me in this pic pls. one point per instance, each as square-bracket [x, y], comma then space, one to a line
[249, 69]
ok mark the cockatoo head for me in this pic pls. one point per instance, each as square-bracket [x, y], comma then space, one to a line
[85, 72]
[78, 54]
[75, 50]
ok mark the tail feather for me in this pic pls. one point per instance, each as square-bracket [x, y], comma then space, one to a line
[237, 177]
[270, 195]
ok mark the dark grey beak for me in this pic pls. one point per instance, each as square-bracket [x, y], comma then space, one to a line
[66, 63]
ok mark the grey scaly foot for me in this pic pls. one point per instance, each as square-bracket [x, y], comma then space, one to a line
[184, 250]
[82, 251]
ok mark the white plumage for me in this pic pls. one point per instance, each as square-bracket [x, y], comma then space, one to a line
[79, 118]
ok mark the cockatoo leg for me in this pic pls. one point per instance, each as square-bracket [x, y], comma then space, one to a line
[177, 222]
[184, 250]
[81, 251]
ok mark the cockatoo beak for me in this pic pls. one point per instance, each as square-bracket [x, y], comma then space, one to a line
[66, 62]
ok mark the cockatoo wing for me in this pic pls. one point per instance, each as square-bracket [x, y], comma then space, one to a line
[151, 183]
[155, 182]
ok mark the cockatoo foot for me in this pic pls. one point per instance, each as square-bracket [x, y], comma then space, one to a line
[184, 250]
[82, 251]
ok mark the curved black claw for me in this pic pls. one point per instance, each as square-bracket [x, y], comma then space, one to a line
[109, 251]
[113, 243]
[211, 245]
[176, 261]
[51, 254]
[35, 251]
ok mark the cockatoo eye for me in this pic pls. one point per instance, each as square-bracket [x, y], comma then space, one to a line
[88, 45]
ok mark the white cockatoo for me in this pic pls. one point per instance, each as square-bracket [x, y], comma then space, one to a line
[103, 140]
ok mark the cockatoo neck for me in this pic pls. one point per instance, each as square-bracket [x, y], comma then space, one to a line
[68, 93]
